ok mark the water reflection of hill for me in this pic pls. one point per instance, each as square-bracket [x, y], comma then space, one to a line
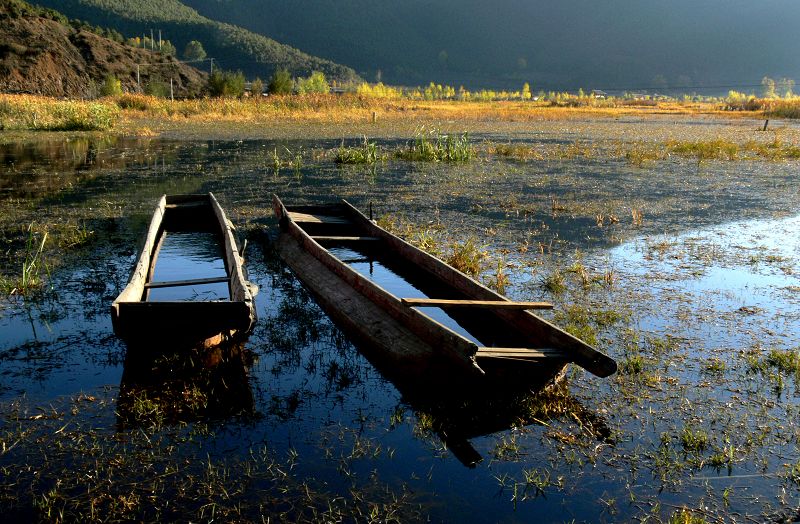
[37, 168]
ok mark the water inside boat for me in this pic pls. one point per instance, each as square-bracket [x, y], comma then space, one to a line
[189, 255]
[397, 282]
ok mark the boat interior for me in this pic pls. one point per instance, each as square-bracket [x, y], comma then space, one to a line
[333, 227]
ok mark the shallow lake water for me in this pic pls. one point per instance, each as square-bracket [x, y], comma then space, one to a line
[702, 294]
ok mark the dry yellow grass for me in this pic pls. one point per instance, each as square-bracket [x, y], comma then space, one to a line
[343, 109]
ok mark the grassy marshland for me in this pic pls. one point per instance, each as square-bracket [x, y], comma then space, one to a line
[687, 276]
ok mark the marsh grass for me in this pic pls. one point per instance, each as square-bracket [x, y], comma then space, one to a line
[467, 257]
[784, 108]
[516, 151]
[435, 146]
[44, 114]
[367, 153]
[33, 267]
[704, 150]
[77, 471]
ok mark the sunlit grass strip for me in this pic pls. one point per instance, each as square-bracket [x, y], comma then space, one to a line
[46, 114]
[784, 108]
[438, 147]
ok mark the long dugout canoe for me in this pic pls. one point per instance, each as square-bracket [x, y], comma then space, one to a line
[138, 318]
[324, 246]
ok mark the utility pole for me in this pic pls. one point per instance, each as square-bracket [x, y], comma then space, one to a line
[138, 80]
[212, 66]
[152, 41]
[171, 91]
[159, 39]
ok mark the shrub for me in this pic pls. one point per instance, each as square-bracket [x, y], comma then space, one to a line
[257, 87]
[111, 86]
[281, 83]
[156, 87]
[226, 84]
[316, 83]
[194, 51]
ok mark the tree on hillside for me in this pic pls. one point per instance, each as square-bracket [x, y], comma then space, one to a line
[194, 51]
[168, 49]
[281, 83]
[767, 87]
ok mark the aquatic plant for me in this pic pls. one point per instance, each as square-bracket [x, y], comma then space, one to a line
[366, 154]
[467, 257]
[438, 147]
[693, 439]
[499, 280]
[554, 282]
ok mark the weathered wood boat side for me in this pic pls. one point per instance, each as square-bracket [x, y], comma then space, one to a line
[137, 319]
[398, 326]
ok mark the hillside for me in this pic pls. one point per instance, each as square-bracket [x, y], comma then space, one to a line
[41, 53]
[615, 44]
[231, 47]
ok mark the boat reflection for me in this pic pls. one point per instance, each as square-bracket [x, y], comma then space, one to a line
[457, 412]
[169, 386]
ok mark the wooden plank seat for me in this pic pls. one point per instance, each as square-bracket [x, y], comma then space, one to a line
[521, 353]
[309, 218]
[344, 239]
[499, 304]
[192, 282]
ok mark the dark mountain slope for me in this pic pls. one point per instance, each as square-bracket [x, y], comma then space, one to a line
[565, 44]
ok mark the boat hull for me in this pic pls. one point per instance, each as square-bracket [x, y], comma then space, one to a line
[388, 330]
[202, 323]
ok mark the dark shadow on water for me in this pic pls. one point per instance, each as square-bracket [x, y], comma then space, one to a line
[445, 405]
[165, 386]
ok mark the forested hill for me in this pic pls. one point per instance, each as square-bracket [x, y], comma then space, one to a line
[42, 52]
[232, 47]
[553, 44]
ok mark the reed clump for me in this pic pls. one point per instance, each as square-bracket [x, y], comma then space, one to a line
[705, 150]
[467, 257]
[33, 266]
[438, 147]
[366, 153]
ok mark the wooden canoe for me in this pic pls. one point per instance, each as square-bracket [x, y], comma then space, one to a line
[491, 343]
[138, 317]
